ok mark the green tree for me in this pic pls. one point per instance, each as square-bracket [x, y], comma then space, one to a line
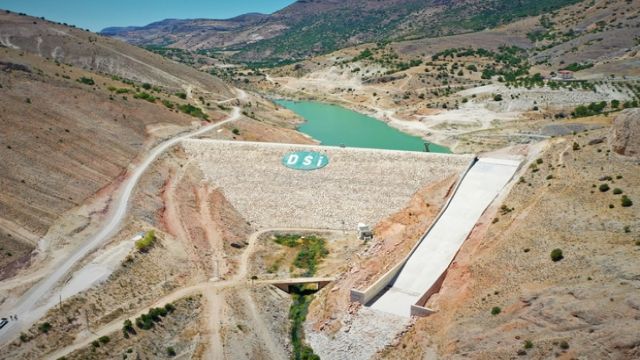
[556, 255]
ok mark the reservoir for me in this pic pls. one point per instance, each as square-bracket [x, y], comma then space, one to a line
[335, 125]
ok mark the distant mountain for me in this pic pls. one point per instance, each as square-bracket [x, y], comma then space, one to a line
[310, 27]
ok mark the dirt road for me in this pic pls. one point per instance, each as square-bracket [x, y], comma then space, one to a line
[27, 307]
[211, 291]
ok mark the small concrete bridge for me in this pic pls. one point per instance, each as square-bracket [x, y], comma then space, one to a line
[285, 284]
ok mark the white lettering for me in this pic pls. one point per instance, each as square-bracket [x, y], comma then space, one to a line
[307, 160]
[320, 158]
[293, 158]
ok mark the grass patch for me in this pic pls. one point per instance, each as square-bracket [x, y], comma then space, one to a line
[312, 251]
[297, 315]
[144, 244]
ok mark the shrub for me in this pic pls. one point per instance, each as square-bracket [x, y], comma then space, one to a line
[556, 255]
[169, 307]
[497, 97]
[144, 244]
[145, 96]
[95, 343]
[168, 104]
[86, 81]
[170, 351]
[495, 310]
[617, 191]
[193, 111]
[564, 345]
[604, 187]
[104, 339]
[181, 95]
[576, 146]
[146, 86]
[44, 327]
[235, 131]
[626, 202]
[127, 327]
[528, 344]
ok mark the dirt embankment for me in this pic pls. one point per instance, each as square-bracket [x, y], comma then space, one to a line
[394, 237]
[585, 305]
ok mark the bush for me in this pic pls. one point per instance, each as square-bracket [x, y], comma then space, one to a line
[144, 244]
[604, 187]
[497, 97]
[146, 321]
[181, 95]
[528, 344]
[168, 104]
[104, 339]
[235, 131]
[564, 345]
[145, 96]
[556, 255]
[169, 307]
[44, 327]
[127, 328]
[576, 146]
[171, 352]
[146, 86]
[86, 81]
[495, 310]
[617, 191]
[193, 111]
[626, 202]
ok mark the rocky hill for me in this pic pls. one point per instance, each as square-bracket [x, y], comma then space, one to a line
[75, 109]
[310, 27]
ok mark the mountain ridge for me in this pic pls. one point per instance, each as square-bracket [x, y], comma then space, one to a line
[307, 28]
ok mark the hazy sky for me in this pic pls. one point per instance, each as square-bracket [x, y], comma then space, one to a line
[98, 14]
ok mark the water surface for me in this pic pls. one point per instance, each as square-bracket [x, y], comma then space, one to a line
[335, 125]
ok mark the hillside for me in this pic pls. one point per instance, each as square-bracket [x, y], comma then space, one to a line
[76, 110]
[481, 90]
[314, 27]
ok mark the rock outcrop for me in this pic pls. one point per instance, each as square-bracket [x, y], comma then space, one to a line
[625, 139]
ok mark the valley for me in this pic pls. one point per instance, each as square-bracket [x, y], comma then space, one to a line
[258, 187]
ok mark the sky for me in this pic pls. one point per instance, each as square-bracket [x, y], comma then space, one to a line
[96, 15]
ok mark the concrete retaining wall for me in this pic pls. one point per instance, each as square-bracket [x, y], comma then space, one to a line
[365, 296]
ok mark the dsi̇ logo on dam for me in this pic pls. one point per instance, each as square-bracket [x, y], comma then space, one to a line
[305, 160]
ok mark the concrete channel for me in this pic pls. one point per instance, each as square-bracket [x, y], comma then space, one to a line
[406, 288]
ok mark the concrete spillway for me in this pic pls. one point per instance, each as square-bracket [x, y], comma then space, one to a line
[429, 260]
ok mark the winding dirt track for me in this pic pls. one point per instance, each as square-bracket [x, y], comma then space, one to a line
[27, 307]
[211, 291]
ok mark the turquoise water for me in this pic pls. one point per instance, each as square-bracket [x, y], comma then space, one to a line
[335, 125]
